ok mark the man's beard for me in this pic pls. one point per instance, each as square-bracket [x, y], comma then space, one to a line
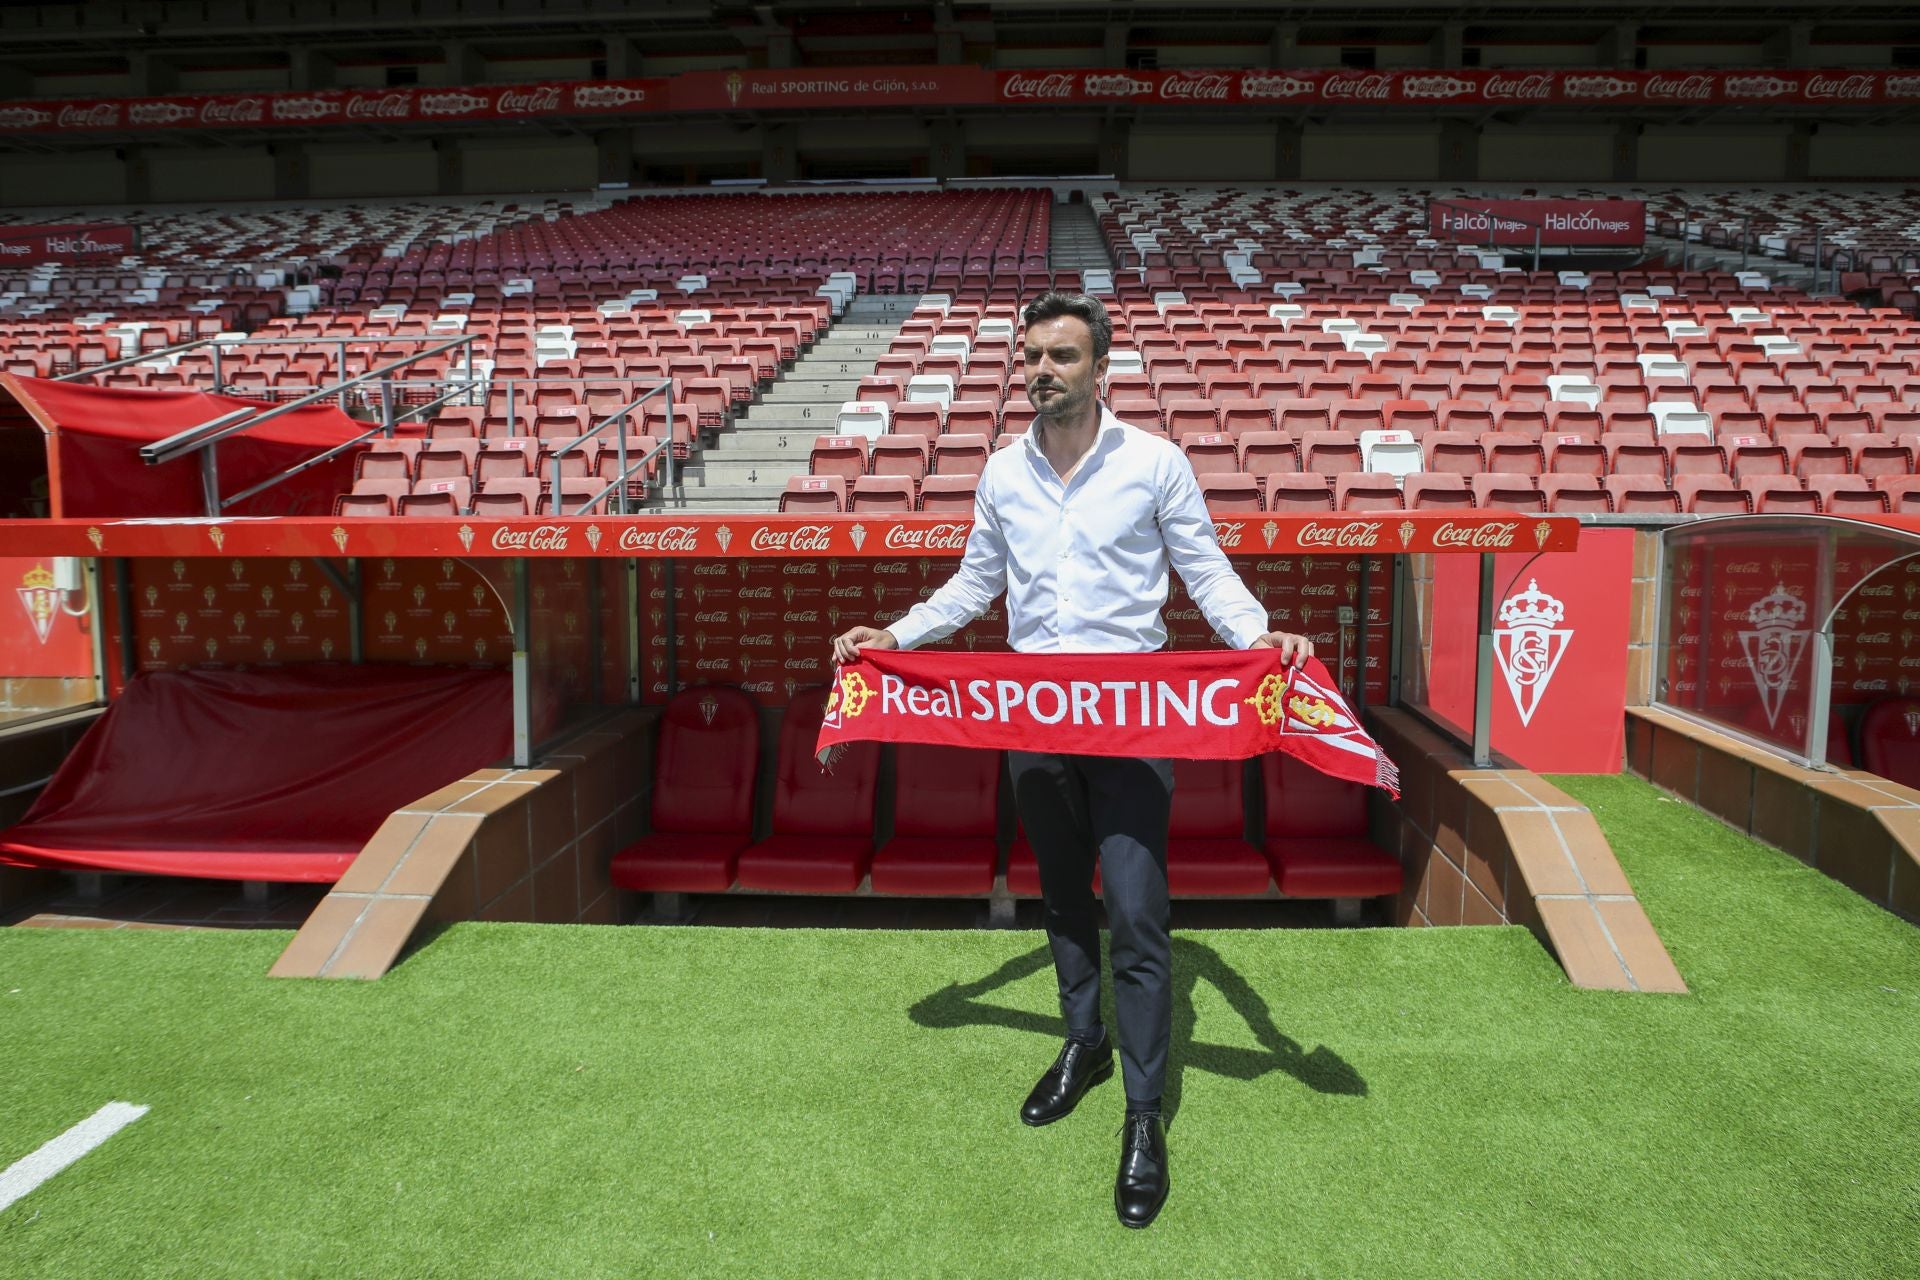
[1063, 404]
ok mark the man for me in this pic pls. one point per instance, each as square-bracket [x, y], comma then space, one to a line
[1077, 523]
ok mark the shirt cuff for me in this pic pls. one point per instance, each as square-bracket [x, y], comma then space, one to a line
[1245, 633]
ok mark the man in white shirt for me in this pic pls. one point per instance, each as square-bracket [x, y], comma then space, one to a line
[1078, 524]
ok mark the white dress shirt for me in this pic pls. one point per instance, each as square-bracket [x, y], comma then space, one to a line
[1084, 564]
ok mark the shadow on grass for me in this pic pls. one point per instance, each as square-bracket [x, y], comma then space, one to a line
[1323, 1070]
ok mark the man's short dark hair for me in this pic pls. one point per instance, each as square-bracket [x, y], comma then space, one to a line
[1052, 304]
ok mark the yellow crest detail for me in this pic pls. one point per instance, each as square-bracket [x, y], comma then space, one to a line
[1266, 699]
[852, 694]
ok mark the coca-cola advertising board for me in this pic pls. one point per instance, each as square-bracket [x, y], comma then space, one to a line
[749, 536]
[24, 246]
[325, 107]
[1560, 629]
[862, 88]
[1560, 223]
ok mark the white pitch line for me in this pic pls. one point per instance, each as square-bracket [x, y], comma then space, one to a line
[28, 1172]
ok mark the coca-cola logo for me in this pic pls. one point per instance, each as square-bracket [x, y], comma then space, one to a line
[546, 537]
[1854, 88]
[1437, 87]
[754, 593]
[1697, 87]
[800, 664]
[385, 106]
[233, 111]
[1764, 88]
[1374, 87]
[805, 537]
[1262, 86]
[677, 538]
[764, 640]
[100, 115]
[1599, 88]
[1210, 87]
[937, 537]
[844, 593]
[1115, 86]
[1228, 533]
[711, 615]
[1495, 536]
[1056, 86]
[528, 101]
[1534, 87]
[1359, 534]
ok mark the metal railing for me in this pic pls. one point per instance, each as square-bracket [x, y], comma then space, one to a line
[202, 437]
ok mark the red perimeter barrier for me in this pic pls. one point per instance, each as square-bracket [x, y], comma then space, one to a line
[259, 775]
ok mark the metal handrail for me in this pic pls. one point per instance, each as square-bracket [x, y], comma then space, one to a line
[663, 387]
[206, 433]
[204, 436]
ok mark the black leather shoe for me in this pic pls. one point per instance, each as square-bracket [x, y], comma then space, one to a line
[1077, 1069]
[1141, 1188]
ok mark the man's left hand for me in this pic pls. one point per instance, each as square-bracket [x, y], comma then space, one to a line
[1294, 650]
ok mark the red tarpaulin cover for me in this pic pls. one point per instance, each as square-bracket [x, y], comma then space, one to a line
[94, 435]
[260, 775]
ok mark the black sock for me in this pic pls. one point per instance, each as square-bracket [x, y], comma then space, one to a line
[1088, 1036]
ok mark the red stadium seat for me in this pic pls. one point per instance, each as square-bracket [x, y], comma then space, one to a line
[822, 839]
[881, 493]
[1438, 491]
[1649, 495]
[1207, 851]
[1367, 491]
[1298, 493]
[1712, 495]
[1226, 494]
[948, 494]
[1890, 740]
[946, 814]
[1848, 496]
[842, 456]
[1316, 835]
[1507, 492]
[1575, 494]
[814, 494]
[702, 802]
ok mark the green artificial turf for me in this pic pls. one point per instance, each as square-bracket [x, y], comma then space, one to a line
[546, 1101]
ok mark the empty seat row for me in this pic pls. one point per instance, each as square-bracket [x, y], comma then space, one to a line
[946, 815]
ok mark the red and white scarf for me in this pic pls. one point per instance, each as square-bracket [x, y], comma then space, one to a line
[1197, 705]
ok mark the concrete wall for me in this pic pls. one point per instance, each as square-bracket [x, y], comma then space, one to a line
[1335, 153]
[1196, 152]
[1546, 155]
[1676, 153]
[1856, 151]
[394, 170]
[237, 173]
[545, 164]
[82, 177]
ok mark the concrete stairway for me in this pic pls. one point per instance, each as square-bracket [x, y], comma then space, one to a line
[1074, 242]
[749, 466]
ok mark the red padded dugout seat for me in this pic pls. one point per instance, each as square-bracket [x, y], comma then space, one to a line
[1890, 740]
[703, 788]
[946, 813]
[822, 839]
[1207, 851]
[1317, 834]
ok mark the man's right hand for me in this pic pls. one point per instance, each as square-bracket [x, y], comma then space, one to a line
[846, 646]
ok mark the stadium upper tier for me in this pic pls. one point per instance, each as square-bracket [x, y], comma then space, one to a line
[1308, 350]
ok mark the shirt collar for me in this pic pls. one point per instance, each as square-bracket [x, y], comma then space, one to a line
[1108, 424]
